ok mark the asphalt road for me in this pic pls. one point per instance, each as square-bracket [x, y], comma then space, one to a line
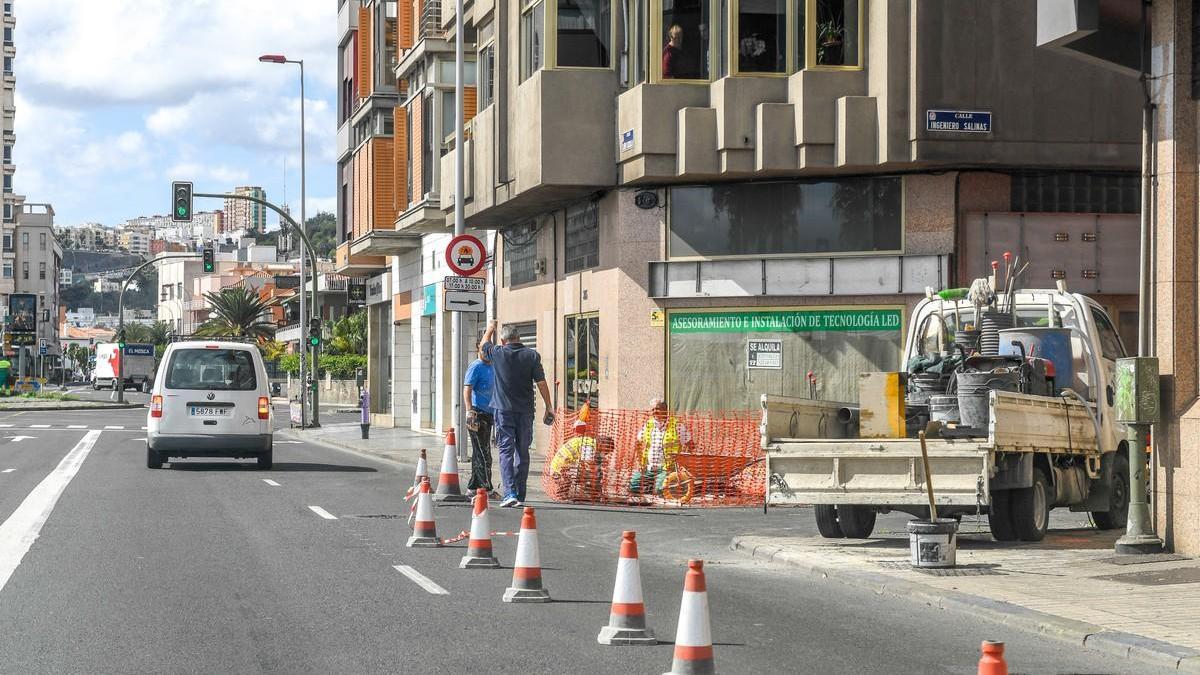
[206, 567]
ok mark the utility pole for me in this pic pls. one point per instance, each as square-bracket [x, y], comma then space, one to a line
[456, 330]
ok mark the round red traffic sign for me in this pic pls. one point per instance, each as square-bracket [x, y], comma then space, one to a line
[465, 255]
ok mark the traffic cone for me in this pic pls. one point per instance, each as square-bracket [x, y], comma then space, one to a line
[527, 570]
[424, 530]
[479, 545]
[627, 620]
[422, 473]
[693, 637]
[447, 489]
[992, 661]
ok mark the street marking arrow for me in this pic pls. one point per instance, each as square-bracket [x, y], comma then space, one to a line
[18, 439]
[8, 471]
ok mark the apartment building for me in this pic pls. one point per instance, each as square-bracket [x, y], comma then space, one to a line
[39, 256]
[244, 216]
[8, 108]
[669, 182]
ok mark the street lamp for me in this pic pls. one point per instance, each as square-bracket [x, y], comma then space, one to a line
[280, 58]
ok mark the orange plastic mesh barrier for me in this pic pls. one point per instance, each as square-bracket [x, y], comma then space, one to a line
[697, 459]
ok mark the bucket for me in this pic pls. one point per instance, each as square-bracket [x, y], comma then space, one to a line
[1052, 344]
[932, 543]
[923, 385]
[943, 409]
[973, 389]
[990, 325]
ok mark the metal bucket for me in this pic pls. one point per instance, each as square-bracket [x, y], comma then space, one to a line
[943, 409]
[932, 543]
[973, 389]
[924, 385]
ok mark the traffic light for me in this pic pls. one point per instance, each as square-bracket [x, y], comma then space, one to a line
[209, 265]
[121, 338]
[314, 332]
[181, 201]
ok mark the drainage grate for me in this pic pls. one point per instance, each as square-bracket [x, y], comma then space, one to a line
[975, 570]
[1143, 559]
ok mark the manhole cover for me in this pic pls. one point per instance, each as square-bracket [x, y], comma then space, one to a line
[977, 570]
[1182, 575]
[1143, 559]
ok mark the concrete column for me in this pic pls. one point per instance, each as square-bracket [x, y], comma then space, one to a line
[1177, 322]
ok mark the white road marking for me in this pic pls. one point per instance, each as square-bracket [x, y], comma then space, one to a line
[22, 528]
[421, 580]
[76, 426]
[322, 512]
[272, 483]
[113, 427]
[39, 426]
[8, 471]
[282, 442]
[5, 426]
[143, 428]
[18, 439]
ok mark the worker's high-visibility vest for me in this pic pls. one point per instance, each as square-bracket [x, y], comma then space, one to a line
[670, 442]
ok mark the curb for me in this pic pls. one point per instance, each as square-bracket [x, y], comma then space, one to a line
[1082, 634]
[103, 406]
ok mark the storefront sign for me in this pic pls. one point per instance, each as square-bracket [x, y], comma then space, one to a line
[429, 307]
[657, 318]
[961, 121]
[379, 288]
[356, 291]
[764, 354]
[795, 321]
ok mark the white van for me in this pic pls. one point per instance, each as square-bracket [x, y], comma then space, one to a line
[210, 399]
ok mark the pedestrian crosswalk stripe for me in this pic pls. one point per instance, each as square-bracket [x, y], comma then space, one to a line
[113, 427]
[39, 426]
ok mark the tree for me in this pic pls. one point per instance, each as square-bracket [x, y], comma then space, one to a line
[349, 334]
[137, 333]
[160, 333]
[237, 311]
[273, 350]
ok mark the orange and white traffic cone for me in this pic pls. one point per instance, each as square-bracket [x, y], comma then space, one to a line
[992, 662]
[424, 530]
[627, 620]
[693, 637]
[527, 569]
[447, 489]
[479, 544]
[422, 473]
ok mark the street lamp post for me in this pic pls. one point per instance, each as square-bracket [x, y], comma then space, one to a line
[304, 347]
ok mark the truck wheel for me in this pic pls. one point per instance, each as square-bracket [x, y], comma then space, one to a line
[153, 459]
[1118, 497]
[857, 522]
[1000, 516]
[1031, 508]
[827, 521]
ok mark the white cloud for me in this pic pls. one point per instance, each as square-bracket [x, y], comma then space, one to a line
[195, 171]
[318, 204]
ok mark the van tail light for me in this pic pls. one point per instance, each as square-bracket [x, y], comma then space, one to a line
[156, 406]
[264, 408]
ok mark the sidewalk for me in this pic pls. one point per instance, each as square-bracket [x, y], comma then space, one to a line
[1069, 586]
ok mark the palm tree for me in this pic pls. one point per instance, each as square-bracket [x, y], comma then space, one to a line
[137, 333]
[160, 332]
[237, 311]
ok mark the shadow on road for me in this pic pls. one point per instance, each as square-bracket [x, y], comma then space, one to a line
[278, 467]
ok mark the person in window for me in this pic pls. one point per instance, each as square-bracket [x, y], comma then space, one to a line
[673, 59]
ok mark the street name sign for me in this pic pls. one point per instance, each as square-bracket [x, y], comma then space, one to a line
[959, 121]
[472, 284]
[464, 301]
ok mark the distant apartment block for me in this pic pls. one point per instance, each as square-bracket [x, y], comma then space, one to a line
[245, 215]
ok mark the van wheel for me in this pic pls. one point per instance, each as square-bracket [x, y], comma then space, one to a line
[1117, 514]
[1031, 508]
[827, 521]
[857, 522]
[265, 459]
[1000, 516]
[153, 459]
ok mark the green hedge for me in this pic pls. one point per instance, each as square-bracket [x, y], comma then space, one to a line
[343, 366]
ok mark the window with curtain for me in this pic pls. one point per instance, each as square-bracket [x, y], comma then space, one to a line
[686, 36]
[533, 38]
[761, 36]
[584, 34]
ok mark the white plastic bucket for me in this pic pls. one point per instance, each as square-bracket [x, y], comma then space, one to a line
[932, 543]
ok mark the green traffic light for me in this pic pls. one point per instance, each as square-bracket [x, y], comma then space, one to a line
[181, 210]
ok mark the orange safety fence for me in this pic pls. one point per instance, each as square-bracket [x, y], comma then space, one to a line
[695, 459]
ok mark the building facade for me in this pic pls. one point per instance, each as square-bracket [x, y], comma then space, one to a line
[8, 111]
[241, 215]
[39, 256]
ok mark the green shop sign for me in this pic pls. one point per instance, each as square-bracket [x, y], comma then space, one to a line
[787, 321]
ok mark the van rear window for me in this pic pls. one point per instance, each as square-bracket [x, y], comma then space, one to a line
[212, 369]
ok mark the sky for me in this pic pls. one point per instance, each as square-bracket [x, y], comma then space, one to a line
[117, 98]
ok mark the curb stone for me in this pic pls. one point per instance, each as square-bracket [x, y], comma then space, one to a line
[1090, 636]
[102, 406]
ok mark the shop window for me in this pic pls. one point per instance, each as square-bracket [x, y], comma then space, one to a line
[727, 359]
[584, 34]
[787, 218]
[1075, 192]
[760, 30]
[533, 38]
[582, 237]
[834, 33]
[582, 361]
[684, 42]
[520, 254]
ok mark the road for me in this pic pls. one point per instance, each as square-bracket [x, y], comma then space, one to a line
[207, 567]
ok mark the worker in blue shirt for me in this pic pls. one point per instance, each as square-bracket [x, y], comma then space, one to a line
[477, 397]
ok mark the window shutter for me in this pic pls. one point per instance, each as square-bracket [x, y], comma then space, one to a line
[364, 52]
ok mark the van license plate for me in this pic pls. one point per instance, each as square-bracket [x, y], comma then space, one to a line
[209, 411]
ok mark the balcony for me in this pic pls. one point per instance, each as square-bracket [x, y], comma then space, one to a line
[288, 333]
[350, 264]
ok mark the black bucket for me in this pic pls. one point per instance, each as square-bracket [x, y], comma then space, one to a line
[990, 325]
[923, 385]
[973, 390]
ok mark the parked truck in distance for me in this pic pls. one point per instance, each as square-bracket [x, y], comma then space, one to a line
[137, 369]
[1016, 401]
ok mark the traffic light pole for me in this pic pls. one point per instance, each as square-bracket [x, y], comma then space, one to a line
[285, 219]
[120, 383]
